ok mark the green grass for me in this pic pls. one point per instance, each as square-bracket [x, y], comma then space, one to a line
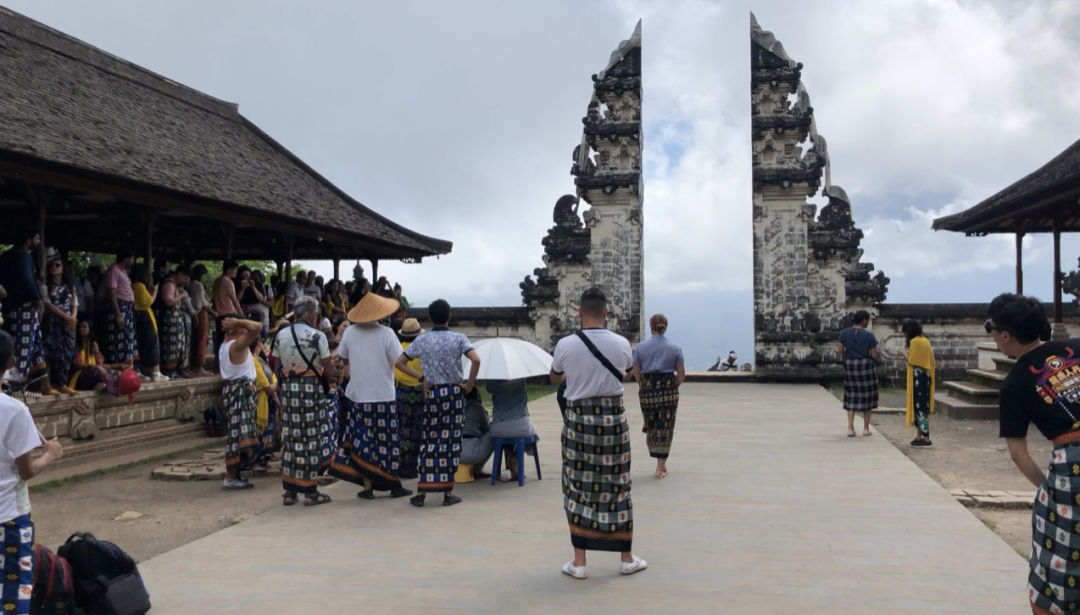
[534, 392]
[78, 478]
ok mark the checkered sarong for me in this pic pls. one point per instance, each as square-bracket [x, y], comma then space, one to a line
[173, 336]
[410, 414]
[596, 475]
[860, 385]
[441, 451]
[659, 397]
[370, 449]
[329, 436]
[238, 397]
[24, 324]
[121, 340]
[18, 563]
[303, 412]
[1055, 536]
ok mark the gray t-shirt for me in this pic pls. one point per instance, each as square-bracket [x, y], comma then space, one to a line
[312, 342]
[476, 420]
[857, 343]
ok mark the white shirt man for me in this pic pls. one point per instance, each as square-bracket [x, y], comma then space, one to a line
[586, 376]
[371, 350]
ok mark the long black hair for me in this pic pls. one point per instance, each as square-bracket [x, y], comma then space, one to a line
[912, 329]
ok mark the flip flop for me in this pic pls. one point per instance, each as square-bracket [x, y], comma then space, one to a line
[319, 499]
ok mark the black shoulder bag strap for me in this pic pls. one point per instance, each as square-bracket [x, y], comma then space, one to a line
[322, 377]
[600, 356]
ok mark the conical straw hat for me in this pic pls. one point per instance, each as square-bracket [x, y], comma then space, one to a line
[372, 308]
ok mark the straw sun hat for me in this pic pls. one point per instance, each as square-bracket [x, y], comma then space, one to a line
[372, 308]
[410, 328]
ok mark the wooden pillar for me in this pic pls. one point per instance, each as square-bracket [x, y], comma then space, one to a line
[151, 228]
[288, 259]
[1058, 308]
[1020, 263]
[44, 196]
[279, 264]
[374, 271]
[337, 268]
[230, 230]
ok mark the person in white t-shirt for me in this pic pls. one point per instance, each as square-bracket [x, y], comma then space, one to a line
[17, 465]
[370, 453]
[595, 362]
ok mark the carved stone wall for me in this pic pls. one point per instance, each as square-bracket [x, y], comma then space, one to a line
[808, 278]
[604, 245]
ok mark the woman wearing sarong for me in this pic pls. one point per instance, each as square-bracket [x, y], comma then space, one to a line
[858, 347]
[146, 331]
[659, 370]
[1043, 388]
[410, 404]
[173, 335]
[60, 320]
[371, 455]
[239, 398]
[920, 382]
[596, 439]
[303, 356]
[266, 409]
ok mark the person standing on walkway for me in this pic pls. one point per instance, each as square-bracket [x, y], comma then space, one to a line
[1043, 388]
[370, 454]
[119, 310]
[411, 404]
[440, 351]
[200, 322]
[920, 382]
[858, 347]
[24, 302]
[238, 395]
[596, 439]
[18, 438]
[303, 355]
[659, 370]
[61, 311]
[225, 302]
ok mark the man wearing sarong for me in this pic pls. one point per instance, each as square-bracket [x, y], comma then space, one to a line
[18, 438]
[595, 438]
[859, 349]
[23, 309]
[440, 351]
[303, 354]
[238, 395]
[1043, 388]
[120, 310]
[370, 454]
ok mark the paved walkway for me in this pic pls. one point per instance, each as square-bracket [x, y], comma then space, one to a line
[768, 509]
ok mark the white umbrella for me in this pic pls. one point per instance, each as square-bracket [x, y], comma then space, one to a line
[505, 358]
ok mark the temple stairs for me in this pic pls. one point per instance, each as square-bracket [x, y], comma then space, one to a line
[977, 397]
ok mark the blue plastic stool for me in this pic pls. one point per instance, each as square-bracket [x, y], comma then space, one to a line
[519, 445]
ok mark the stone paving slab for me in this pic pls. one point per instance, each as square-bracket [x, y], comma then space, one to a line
[768, 508]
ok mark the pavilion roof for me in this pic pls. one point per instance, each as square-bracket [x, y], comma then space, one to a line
[1031, 205]
[116, 139]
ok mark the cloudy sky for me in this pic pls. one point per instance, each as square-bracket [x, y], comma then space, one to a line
[458, 119]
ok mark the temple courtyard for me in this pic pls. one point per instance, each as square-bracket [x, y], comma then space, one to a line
[768, 508]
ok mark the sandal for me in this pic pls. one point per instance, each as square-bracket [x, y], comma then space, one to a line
[260, 470]
[367, 494]
[316, 499]
[417, 500]
[451, 500]
[289, 499]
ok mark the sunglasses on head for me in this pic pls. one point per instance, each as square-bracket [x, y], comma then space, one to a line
[989, 326]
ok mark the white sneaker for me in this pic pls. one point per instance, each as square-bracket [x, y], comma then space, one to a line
[578, 572]
[635, 566]
[160, 377]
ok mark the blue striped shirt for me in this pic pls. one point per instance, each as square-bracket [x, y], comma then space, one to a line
[657, 355]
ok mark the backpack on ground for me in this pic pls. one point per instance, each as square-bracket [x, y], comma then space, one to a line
[215, 422]
[54, 589]
[106, 580]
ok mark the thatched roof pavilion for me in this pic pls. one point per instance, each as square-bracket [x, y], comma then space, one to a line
[104, 153]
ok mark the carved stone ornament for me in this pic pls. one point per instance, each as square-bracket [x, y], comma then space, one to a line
[85, 406]
[1070, 283]
[185, 406]
[84, 429]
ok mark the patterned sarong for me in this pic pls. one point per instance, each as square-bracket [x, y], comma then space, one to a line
[371, 450]
[1055, 545]
[410, 414]
[329, 430]
[596, 475]
[860, 385]
[121, 340]
[441, 451]
[303, 410]
[173, 337]
[18, 563]
[238, 397]
[659, 396]
[921, 381]
[24, 324]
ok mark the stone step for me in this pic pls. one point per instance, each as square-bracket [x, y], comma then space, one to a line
[132, 440]
[988, 378]
[1004, 364]
[949, 406]
[971, 392]
[988, 346]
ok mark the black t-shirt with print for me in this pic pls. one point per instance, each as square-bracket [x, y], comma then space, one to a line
[1043, 388]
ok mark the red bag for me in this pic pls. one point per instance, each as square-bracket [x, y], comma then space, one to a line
[129, 384]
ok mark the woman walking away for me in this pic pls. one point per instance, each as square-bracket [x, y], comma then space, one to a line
[859, 349]
[1043, 388]
[239, 398]
[658, 368]
[60, 321]
[146, 333]
[920, 382]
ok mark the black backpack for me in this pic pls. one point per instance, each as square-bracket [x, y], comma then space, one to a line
[215, 422]
[106, 580]
[54, 589]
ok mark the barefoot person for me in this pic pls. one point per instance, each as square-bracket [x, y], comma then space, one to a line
[18, 437]
[858, 347]
[596, 439]
[239, 398]
[1043, 388]
[659, 370]
[440, 351]
[370, 454]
